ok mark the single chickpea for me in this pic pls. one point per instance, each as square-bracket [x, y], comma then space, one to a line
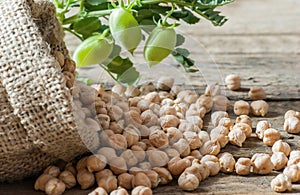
[210, 147]
[164, 175]
[159, 139]
[216, 117]
[226, 122]
[81, 164]
[237, 137]
[118, 89]
[114, 112]
[203, 169]
[175, 90]
[141, 190]
[119, 191]
[177, 165]
[96, 163]
[244, 119]
[271, 136]
[243, 166]
[196, 120]
[173, 134]
[108, 183]
[212, 163]
[204, 136]
[167, 110]
[145, 165]
[256, 93]
[293, 172]
[143, 105]
[196, 154]
[147, 88]
[281, 183]
[227, 162]
[213, 89]
[262, 163]
[292, 125]
[169, 121]
[195, 171]
[259, 108]
[165, 83]
[261, 127]
[233, 82]
[279, 160]
[104, 120]
[183, 147]
[152, 97]
[221, 103]
[118, 165]
[222, 139]
[108, 152]
[68, 178]
[141, 179]
[153, 177]
[171, 152]
[193, 140]
[41, 181]
[205, 101]
[132, 117]
[157, 158]
[98, 191]
[55, 186]
[52, 170]
[188, 182]
[241, 107]
[85, 178]
[132, 91]
[69, 167]
[117, 141]
[294, 157]
[125, 180]
[188, 126]
[129, 157]
[281, 146]
[131, 134]
[291, 113]
[244, 127]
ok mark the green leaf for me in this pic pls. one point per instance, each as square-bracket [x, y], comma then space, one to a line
[86, 26]
[182, 51]
[130, 76]
[119, 65]
[179, 40]
[181, 56]
[213, 16]
[93, 5]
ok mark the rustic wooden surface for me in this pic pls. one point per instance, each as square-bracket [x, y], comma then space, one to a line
[261, 43]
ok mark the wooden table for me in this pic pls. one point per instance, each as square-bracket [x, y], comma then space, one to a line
[261, 43]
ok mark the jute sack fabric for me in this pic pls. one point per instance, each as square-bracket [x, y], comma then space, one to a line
[37, 120]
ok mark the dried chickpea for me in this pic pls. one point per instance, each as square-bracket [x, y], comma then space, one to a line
[138, 152]
[212, 89]
[147, 88]
[292, 125]
[41, 181]
[153, 177]
[193, 140]
[256, 93]
[103, 174]
[203, 169]
[188, 182]
[281, 183]
[52, 170]
[177, 165]
[85, 178]
[132, 117]
[191, 98]
[233, 82]
[167, 102]
[281, 146]
[204, 136]
[222, 139]
[114, 112]
[244, 119]
[81, 164]
[221, 103]
[129, 157]
[271, 136]
[157, 158]
[125, 180]
[98, 191]
[164, 95]
[69, 167]
[279, 160]
[212, 163]
[141, 179]
[171, 152]
[244, 127]
[109, 183]
[196, 120]
[164, 175]
[104, 120]
[188, 126]
[165, 83]
[261, 127]
[131, 134]
[294, 157]
[68, 178]
[262, 163]
[175, 90]
[118, 165]
[226, 122]
[196, 154]
[118, 89]
[243, 166]
[117, 127]
[241, 107]
[141, 190]
[55, 186]
[237, 137]
[183, 147]
[293, 172]
[291, 113]
[119, 191]
[159, 139]
[259, 108]
[210, 147]
[195, 171]
[117, 141]
[227, 162]
[96, 163]
[216, 117]
[143, 105]
[149, 118]
[205, 101]
[152, 97]
[145, 165]
[169, 121]
[173, 134]
[132, 91]
[108, 152]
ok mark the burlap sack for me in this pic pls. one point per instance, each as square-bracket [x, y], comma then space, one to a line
[37, 119]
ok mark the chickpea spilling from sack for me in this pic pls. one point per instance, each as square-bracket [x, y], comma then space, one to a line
[154, 134]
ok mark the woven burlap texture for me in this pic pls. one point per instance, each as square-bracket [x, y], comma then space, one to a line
[37, 124]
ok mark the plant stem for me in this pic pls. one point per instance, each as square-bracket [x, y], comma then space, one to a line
[111, 75]
[74, 33]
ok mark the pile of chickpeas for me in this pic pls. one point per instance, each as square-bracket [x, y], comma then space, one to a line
[152, 135]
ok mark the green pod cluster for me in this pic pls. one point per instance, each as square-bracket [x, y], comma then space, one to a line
[94, 50]
[125, 29]
[159, 44]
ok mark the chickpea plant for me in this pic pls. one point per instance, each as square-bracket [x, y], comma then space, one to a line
[107, 27]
